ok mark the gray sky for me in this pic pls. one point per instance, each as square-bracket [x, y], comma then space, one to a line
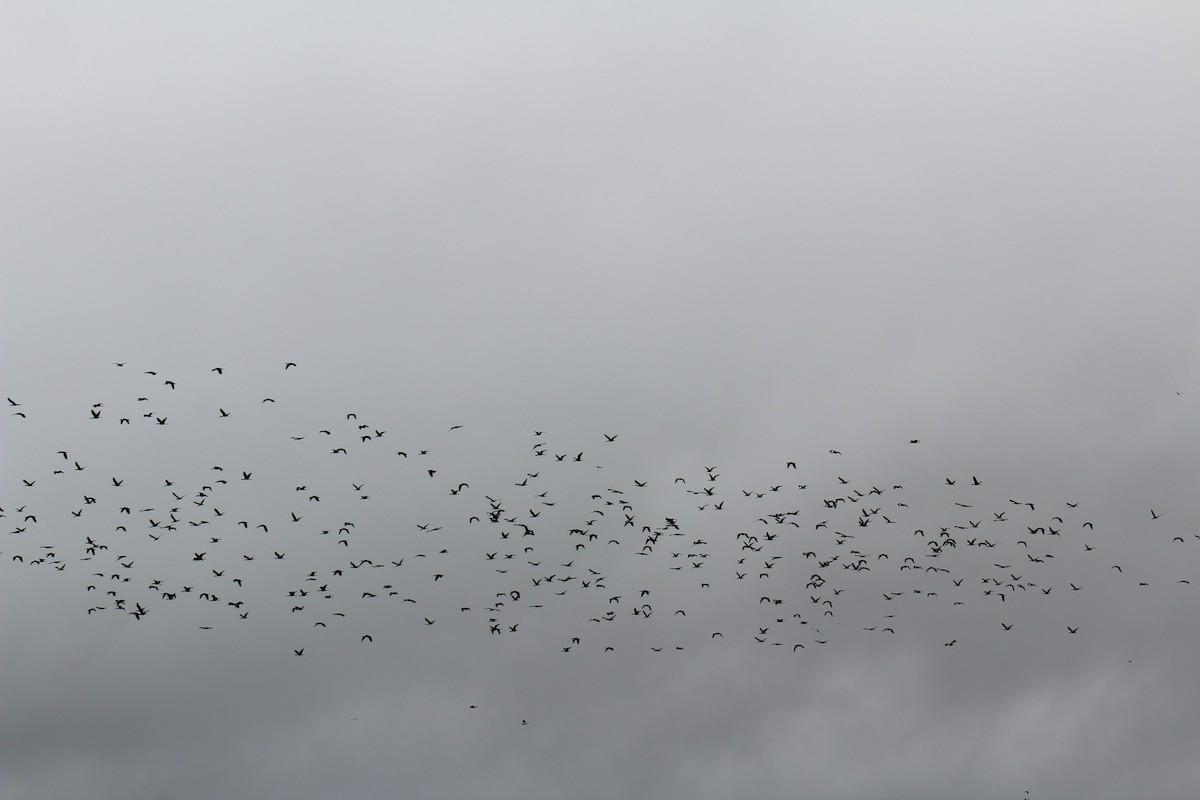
[734, 237]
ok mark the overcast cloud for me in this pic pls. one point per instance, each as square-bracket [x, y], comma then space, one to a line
[729, 236]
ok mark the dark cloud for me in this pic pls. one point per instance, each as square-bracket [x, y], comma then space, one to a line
[734, 238]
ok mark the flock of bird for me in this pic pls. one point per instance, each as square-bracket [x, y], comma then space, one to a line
[338, 531]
